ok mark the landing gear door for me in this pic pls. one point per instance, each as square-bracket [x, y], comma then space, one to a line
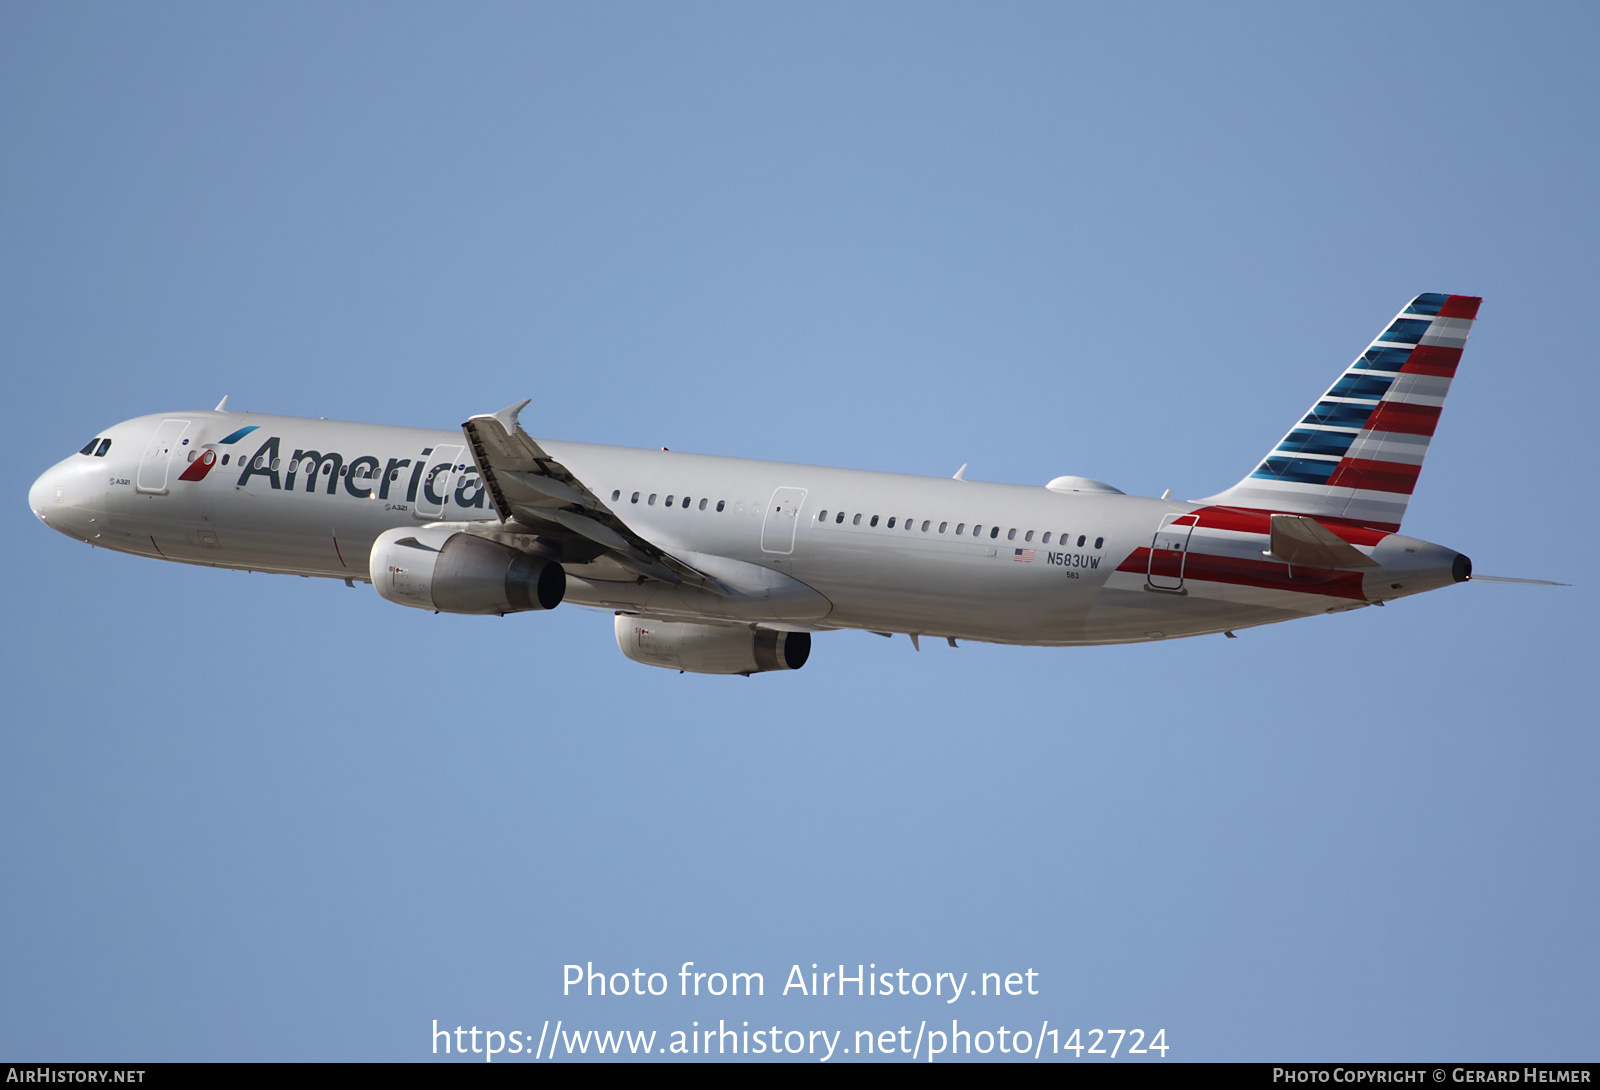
[1169, 550]
[437, 480]
[157, 459]
[783, 516]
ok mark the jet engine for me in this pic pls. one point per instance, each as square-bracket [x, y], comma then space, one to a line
[448, 571]
[709, 648]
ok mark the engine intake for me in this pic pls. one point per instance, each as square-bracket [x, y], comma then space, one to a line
[708, 648]
[448, 571]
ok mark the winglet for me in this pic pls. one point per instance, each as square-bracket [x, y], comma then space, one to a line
[508, 415]
[960, 473]
[222, 406]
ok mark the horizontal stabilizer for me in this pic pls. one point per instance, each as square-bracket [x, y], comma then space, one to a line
[1297, 539]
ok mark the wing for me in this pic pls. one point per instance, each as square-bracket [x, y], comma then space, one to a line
[528, 486]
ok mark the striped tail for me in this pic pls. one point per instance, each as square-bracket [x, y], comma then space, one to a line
[1356, 455]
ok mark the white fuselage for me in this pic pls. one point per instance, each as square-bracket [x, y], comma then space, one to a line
[887, 552]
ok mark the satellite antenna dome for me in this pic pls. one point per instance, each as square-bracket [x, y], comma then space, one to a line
[1082, 484]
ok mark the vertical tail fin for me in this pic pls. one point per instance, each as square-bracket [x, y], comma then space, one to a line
[1356, 455]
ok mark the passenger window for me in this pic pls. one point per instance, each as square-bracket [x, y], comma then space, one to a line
[686, 502]
[856, 521]
[193, 454]
[942, 525]
[105, 445]
[669, 500]
[1081, 539]
[721, 504]
[88, 448]
[635, 498]
[994, 532]
[224, 459]
[924, 525]
[1099, 541]
[1046, 538]
[1011, 535]
[702, 504]
[838, 518]
[891, 522]
[822, 516]
[874, 521]
[651, 500]
[961, 528]
[616, 494]
[1028, 536]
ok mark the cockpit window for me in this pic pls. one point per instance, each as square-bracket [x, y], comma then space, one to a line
[88, 448]
[105, 445]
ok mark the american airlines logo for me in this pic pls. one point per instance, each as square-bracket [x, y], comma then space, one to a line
[362, 476]
[208, 458]
[200, 466]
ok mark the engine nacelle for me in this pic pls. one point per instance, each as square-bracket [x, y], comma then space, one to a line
[448, 571]
[710, 648]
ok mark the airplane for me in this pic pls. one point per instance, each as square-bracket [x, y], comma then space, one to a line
[723, 565]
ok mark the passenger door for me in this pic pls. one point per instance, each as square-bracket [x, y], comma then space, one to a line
[1169, 549]
[157, 459]
[783, 516]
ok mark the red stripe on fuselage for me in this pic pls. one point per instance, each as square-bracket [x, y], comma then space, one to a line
[1208, 568]
[1246, 520]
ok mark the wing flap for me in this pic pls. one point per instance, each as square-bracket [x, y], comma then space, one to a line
[548, 487]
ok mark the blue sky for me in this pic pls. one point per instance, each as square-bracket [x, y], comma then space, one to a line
[253, 817]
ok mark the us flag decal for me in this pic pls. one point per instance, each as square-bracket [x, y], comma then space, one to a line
[1023, 556]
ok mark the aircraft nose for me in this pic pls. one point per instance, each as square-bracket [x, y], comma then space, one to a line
[63, 496]
[47, 492]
